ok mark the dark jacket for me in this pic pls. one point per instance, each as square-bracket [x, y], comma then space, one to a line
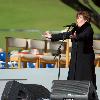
[82, 55]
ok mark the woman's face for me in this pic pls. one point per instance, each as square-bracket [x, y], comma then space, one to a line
[80, 20]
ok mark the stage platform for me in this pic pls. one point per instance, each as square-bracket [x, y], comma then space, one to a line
[42, 76]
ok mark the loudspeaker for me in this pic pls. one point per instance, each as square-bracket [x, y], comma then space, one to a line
[72, 90]
[17, 91]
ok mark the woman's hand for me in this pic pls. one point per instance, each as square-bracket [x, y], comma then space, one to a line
[47, 35]
[73, 36]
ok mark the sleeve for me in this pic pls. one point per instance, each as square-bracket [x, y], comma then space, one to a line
[61, 36]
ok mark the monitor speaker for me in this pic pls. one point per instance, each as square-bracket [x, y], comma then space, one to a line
[17, 91]
[72, 90]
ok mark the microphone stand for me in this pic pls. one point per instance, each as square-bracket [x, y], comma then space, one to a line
[59, 52]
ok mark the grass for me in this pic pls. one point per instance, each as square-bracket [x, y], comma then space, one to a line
[41, 15]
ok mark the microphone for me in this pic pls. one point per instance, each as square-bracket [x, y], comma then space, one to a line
[73, 25]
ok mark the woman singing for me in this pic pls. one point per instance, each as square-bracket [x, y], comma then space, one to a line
[82, 55]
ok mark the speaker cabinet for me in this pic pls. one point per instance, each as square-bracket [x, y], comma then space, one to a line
[17, 91]
[73, 90]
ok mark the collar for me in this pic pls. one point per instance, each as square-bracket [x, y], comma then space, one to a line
[83, 27]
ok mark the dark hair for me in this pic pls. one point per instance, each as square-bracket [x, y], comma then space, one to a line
[85, 15]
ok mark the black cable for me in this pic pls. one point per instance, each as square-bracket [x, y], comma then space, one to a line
[59, 52]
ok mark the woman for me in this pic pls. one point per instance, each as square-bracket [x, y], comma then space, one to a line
[82, 55]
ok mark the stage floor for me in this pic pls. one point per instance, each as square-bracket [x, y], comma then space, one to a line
[42, 76]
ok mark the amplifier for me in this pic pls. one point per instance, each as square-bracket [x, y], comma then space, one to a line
[73, 90]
